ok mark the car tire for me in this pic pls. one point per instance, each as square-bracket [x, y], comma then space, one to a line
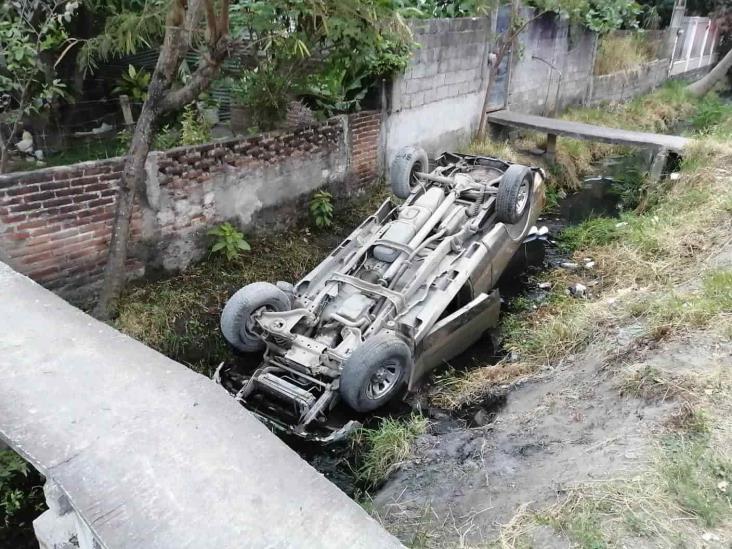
[236, 318]
[514, 194]
[374, 372]
[401, 175]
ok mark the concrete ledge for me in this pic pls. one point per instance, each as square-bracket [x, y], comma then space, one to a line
[149, 453]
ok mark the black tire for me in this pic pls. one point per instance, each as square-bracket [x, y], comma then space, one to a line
[406, 162]
[359, 376]
[514, 194]
[236, 316]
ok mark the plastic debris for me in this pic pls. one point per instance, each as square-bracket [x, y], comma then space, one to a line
[571, 265]
[577, 290]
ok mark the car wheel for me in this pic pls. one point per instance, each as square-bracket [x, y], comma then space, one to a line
[374, 372]
[406, 163]
[237, 322]
[514, 194]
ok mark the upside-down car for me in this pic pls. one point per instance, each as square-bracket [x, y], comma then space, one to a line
[410, 288]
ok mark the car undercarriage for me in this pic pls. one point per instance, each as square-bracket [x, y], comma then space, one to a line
[410, 288]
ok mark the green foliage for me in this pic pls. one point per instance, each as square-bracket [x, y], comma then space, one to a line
[194, 127]
[596, 231]
[447, 8]
[327, 52]
[228, 241]
[165, 138]
[335, 91]
[33, 40]
[21, 497]
[129, 26]
[265, 91]
[601, 16]
[321, 209]
[384, 447]
[133, 83]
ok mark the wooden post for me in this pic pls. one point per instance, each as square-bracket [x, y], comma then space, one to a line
[551, 147]
[657, 166]
[124, 102]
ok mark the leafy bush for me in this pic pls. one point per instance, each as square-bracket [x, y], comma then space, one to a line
[266, 92]
[321, 208]
[134, 84]
[335, 91]
[194, 127]
[21, 500]
[228, 241]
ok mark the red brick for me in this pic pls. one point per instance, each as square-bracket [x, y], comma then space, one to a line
[21, 190]
[55, 185]
[101, 202]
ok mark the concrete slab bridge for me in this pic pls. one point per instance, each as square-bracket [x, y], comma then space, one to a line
[141, 452]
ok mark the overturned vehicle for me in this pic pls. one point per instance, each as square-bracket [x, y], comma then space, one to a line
[410, 288]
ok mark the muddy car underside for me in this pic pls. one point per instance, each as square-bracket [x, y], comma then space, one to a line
[411, 287]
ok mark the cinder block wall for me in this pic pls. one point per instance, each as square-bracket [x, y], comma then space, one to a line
[55, 223]
[436, 103]
[534, 83]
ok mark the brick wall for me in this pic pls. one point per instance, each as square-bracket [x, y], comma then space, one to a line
[365, 139]
[55, 223]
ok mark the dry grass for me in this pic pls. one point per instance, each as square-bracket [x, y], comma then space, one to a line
[640, 260]
[621, 52]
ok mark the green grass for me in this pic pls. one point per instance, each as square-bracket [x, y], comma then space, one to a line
[691, 472]
[596, 231]
[673, 311]
[384, 447]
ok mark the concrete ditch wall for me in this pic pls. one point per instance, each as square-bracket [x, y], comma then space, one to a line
[55, 223]
[139, 451]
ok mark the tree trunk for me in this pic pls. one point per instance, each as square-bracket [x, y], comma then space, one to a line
[4, 159]
[702, 86]
[160, 99]
[133, 176]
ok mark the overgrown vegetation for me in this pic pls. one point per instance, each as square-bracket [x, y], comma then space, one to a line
[653, 249]
[621, 52]
[21, 500]
[383, 448]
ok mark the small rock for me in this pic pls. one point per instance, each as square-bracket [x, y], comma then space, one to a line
[710, 536]
[568, 265]
[577, 290]
[481, 417]
[589, 264]
[545, 285]
[722, 486]
[674, 176]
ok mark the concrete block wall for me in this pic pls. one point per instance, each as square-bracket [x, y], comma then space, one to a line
[55, 223]
[624, 85]
[537, 88]
[436, 102]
